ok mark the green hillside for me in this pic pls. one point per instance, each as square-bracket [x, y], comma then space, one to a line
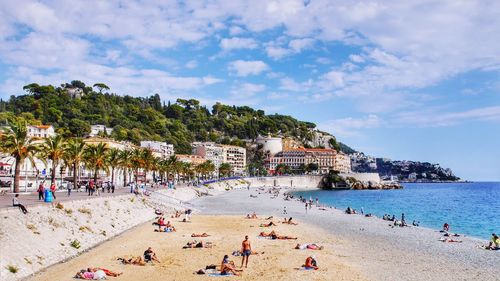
[145, 118]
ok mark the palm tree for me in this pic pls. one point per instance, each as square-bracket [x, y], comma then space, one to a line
[95, 156]
[224, 169]
[174, 165]
[124, 161]
[16, 143]
[73, 155]
[52, 149]
[148, 161]
[113, 161]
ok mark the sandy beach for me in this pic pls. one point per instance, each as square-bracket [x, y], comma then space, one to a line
[279, 261]
[370, 245]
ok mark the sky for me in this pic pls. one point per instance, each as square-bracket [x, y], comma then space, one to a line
[414, 79]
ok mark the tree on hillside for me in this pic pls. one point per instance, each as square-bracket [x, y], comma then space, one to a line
[224, 169]
[16, 143]
[101, 86]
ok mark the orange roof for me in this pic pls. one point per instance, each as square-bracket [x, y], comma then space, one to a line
[311, 149]
[45, 127]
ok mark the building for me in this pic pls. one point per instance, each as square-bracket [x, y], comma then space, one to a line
[160, 149]
[41, 131]
[236, 157]
[298, 158]
[342, 163]
[270, 145]
[189, 158]
[210, 151]
[96, 129]
[110, 143]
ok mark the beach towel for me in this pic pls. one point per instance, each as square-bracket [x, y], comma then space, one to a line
[305, 268]
[220, 275]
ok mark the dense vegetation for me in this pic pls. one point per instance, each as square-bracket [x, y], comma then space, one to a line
[139, 118]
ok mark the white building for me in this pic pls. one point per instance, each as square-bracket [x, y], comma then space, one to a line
[342, 163]
[236, 157]
[41, 131]
[159, 149]
[96, 129]
[210, 151]
[270, 145]
[300, 157]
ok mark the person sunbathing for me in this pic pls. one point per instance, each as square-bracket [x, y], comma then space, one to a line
[106, 271]
[85, 274]
[311, 263]
[269, 218]
[150, 256]
[199, 235]
[195, 244]
[133, 260]
[449, 240]
[158, 212]
[228, 267]
[276, 236]
[169, 225]
[308, 246]
[253, 216]
[289, 221]
[177, 214]
[267, 224]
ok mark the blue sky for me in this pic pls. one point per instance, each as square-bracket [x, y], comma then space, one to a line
[416, 79]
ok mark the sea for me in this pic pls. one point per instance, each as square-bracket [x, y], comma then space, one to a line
[472, 209]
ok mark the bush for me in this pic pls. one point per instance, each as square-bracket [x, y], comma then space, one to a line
[68, 211]
[12, 268]
[84, 210]
[59, 206]
[75, 244]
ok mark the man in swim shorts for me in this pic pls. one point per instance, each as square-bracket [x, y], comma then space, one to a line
[246, 250]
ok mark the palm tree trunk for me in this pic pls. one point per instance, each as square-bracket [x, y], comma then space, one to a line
[17, 174]
[74, 175]
[95, 176]
[124, 177]
[53, 173]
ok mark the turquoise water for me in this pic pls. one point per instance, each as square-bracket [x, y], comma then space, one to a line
[470, 208]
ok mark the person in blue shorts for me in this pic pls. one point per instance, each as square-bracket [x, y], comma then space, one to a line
[246, 251]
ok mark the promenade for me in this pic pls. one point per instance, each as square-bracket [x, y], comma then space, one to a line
[31, 199]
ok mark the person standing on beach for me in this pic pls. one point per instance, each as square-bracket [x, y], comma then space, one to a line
[403, 219]
[69, 187]
[40, 190]
[246, 250]
[53, 189]
[284, 210]
[306, 207]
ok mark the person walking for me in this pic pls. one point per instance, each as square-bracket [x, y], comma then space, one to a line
[306, 207]
[41, 190]
[69, 187]
[53, 189]
[16, 203]
[112, 188]
[91, 188]
[246, 251]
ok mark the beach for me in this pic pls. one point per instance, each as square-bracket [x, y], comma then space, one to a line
[356, 247]
[278, 262]
[370, 245]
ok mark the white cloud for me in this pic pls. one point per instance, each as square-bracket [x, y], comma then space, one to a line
[349, 127]
[191, 64]
[236, 30]
[297, 45]
[356, 58]
[245, 68]
[276, 52]
[437, 118]
[234, 43]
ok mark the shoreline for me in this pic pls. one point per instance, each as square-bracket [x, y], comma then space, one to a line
[411, 250]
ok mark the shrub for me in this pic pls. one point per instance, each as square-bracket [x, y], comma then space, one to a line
[59, 206]
[75, 244]
[12, 268]
[85, 229]
[84, 210]
[68, 211]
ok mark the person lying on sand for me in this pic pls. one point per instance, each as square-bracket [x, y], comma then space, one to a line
[311, 263]
[276, 236]
[133, 260]
[252, 216]
[289, 221]
[267, 224]
[106, 271]
[269, 218]
[228, 267]
[150, 255]
[238, 253]
[196, 244]
[308, 246]
[449, 240]
[199, 235]
[158, 212]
